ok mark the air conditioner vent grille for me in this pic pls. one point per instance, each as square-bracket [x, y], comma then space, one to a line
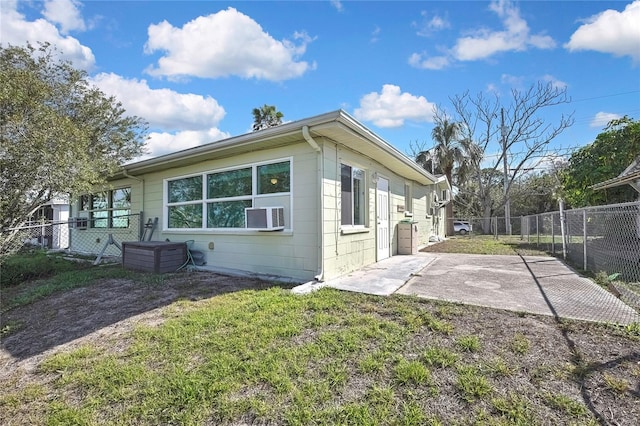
[265, 218]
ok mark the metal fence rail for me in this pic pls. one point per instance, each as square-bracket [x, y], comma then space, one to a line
[601, 238]
[83, 236]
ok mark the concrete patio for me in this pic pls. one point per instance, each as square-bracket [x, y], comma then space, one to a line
[533, 284]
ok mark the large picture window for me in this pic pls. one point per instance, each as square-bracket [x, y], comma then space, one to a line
[353, 195]
[218, 199]
[108, 209]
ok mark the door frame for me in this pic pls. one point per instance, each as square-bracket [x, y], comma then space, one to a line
[383, 252]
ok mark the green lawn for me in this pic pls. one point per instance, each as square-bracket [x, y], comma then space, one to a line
[486, 244]
[331, 357]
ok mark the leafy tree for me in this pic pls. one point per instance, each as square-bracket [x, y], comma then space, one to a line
[449, 151]
[523, 139]
[612, 152]
[266, 116]
[58, 134]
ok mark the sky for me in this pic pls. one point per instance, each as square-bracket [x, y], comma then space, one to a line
[196, 69]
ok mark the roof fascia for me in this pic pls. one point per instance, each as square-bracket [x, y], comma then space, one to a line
[356, 126]
[253, 138]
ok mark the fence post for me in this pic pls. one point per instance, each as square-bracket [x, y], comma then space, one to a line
[584, 238]
[537, 231]
[562, 230]
[553, 234]
[521, 228]
[495, 227]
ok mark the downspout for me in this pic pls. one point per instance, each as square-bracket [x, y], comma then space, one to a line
[318, 149]
[141, 220]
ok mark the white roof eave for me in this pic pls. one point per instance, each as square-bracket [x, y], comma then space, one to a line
[337, 125]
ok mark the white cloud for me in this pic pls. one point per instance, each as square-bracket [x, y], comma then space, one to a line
[421, 60]
[391, 107]
[617, 33]
[162, 108]
[161, 143]
[65, 13]
[555, 83]
[181, 120]
[338, 5]
[374, 34]
[492, 88]
[515, 36]
[601, 119]
[484, 43]
[223, 44]
[513, 81]
[16, 30]
[430, 25]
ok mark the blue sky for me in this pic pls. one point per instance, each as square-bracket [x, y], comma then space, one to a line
[195, 70]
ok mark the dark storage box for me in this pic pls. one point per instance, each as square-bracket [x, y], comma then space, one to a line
[153, 256]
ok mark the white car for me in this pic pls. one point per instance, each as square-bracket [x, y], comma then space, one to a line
[461, 227]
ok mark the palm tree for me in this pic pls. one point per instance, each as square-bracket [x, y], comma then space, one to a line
[450, 150]
[266, 116]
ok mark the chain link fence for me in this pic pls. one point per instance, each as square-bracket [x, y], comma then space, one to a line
[79, 236]
[494, 225]
[597, 239]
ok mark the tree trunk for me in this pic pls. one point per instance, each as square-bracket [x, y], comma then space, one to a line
[449, 231]
[486, 218]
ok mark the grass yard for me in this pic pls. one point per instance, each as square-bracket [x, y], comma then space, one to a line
[487, 244]
[203, 349]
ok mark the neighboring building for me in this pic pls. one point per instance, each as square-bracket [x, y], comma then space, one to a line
[325, 196]
[629, 176]
[48, 224]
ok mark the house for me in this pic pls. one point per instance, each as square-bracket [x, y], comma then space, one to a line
[48, 224]
[310, 199]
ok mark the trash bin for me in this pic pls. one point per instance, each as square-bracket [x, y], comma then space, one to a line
[408, 237]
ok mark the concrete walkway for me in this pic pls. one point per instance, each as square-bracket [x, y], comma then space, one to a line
[533, 284]
[382, 278]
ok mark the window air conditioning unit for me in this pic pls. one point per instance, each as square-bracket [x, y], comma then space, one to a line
[78, 223]
[265, 218]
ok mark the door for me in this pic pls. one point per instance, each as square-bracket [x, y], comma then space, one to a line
[382, 213]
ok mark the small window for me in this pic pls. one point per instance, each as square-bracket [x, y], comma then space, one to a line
[186, 189]
[232, 183]
[273, 178]
[185, 216]
[408, 198]
[227, 214]
[109, 209]
[353, 196]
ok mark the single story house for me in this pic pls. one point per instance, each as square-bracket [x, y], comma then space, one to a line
[307, 200]
[51, 218]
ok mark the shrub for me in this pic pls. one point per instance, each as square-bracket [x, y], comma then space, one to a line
[31, 265]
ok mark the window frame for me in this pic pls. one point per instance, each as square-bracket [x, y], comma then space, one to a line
[86, 204]
[408, 197]
[205, 201]
[352, 207]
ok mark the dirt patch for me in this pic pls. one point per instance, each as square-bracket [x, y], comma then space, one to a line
[108, 308]
[535, 361]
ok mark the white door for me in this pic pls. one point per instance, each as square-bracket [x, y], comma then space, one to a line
[382, 213]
